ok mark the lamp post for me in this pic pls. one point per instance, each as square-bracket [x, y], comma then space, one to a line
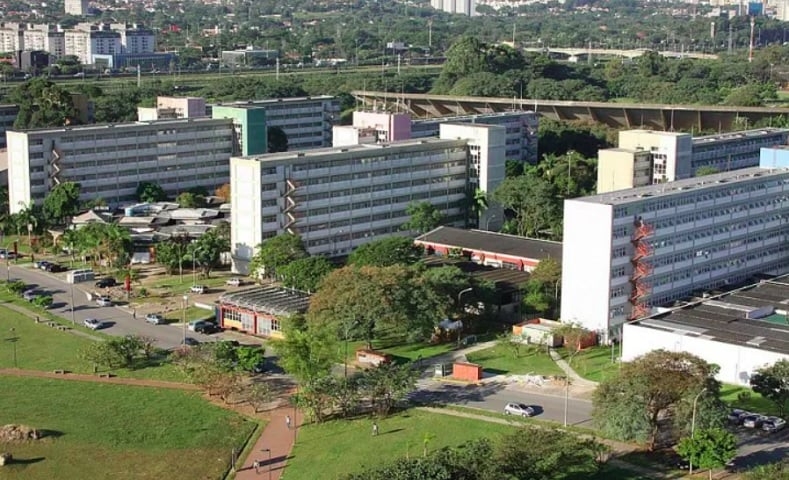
[693, 426]
[460, 294]
[347, 333]
[269, 461]
[487, 222]
[73, 320]
[183, 317]
[13, 340]
[566, 397]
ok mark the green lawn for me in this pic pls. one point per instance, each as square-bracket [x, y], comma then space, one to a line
[747, 399]
[111, 431]
[399, 349]
[592, 363]
[172, 283]
[39, 347]
[500, 359]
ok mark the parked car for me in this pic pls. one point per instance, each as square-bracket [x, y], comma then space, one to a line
[208, 328]
[55, 268]
[106, 282]
[41, 264]
[30, 295]
[518, 409]
[104, 301]
[93, 324]
[199, 289]
[753, 421]
[196, 324]
[736, 416]
[233, 282]
[154, 319]
[189, 341]
[773, 424]
[8, 255]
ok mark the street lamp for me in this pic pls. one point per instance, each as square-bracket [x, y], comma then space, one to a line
[347, 333]
[460, 294]
[73, 320]
[269, 461]
[487, 223]
[566, 396]
[693, 426]
[183, 317]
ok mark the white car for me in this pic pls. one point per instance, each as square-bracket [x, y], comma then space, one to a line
[93, 324]
[199, 289]
[233, 282]
[154, 319]
[104, 301]
[518, 409]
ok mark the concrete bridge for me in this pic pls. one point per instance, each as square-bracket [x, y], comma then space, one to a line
[574, 53]
[617, 115]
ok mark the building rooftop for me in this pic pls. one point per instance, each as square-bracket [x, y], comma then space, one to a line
[492, 242]
[666, 189]
[697, 141]
[269, 299]
[505, 280]
[274, 101]
[754, 316]
[450, 119]
[107, 126]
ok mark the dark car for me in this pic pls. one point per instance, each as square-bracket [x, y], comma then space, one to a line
[106, 282]
[42, 264]
[207, 328]
[191, 342]
[55, 268]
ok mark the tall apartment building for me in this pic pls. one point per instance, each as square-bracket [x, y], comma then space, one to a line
[8, 115]
[16, 37]
[135, 39]
[173, 107]
[78, 8]
[463, 7]
[307, 121]
[629, 251]
[86, 44]
[249, 128]
[675, 156]
[110, 161]
[339, 198]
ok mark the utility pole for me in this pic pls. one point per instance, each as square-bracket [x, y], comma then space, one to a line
[430, 33]
[278, 69]
[750, 45]
[731, 38]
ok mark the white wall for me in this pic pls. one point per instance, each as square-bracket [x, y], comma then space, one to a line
[18, 171]
[586, 264]
[736, 362]
[245, 211]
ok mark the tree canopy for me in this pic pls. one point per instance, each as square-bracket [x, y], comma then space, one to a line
[772, 382]
[150, 192]
[277, 139]
[386, 252]
[424, 217]
[305, 273]
[62, 202]
[275, 253]
[709, 448]
[43, 104]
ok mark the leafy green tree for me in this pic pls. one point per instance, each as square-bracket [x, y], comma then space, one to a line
[387, 384]
[190, 200]
[124, 350]
[709, 448]
[772, 382]
[150, 192]
[42, 104]
[706, 170]
[306, 351]
[447, 282]
[250, 357]
[533, 201]
[275, 253]
[172, 253]
[207, 251]
[306, 273]
[424, 217]
[277, 139]
[386, 252]
[630, 405]
[483, 84]
[43, 301]
[259, 394]
[62, 202]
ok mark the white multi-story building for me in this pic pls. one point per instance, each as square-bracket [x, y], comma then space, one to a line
[463, 7]
[110, 161]
[78, 8]
[135, 39]
[629, 251]
[307, 121]
[675, 156]
[339, 198]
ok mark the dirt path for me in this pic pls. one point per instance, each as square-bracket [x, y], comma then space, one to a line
[138, 382]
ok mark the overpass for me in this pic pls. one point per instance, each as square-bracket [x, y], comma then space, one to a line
[617, 115]
[614, 52]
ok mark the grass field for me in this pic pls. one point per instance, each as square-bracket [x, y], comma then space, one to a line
[330, 450]
[592, 363]
[747, 399]
[499, 359]
[39, 347]
[112, 431]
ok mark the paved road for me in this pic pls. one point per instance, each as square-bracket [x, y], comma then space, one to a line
[120, 320]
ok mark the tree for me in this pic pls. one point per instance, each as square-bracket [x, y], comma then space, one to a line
[709, 448]
[275, 253]
[223, 192]
[386, 252]
[124, 349]
[62, 202]
[447, 282]
[207, 250]
[387, 384]
[573, 335]
[424, 217]
[305, 274]
[249, 358]
[772, 382]
[306, 351]
[171, 253]
[259, 395]
[190, 200]
[150, 192]
[706, 170]
[533, 201]
[42, 104]
[631, 405]
[277, 140]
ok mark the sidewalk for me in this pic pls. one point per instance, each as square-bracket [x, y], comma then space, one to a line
[575, 379]
[279, 439]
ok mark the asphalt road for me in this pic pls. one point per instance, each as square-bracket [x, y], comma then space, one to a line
[119, 320]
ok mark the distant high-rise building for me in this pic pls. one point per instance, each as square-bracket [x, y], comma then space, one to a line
[78, 8]
[462, 7]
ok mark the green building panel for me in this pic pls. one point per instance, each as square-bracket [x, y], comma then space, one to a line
[250, 131]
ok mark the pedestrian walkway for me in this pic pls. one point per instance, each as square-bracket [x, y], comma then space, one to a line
[575, 379]
[273, 447]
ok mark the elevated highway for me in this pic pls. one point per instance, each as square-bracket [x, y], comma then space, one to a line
[617, 115]
[615, 52]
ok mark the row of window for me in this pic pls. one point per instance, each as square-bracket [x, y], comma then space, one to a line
[731, 227]
[726, 246]
[439, 155]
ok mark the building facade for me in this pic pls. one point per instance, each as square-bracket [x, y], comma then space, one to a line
[259, 311]
[462, 7]
[249, 128]
[110, 161]
[307, 121]
[675, 156]
[629, 251]
[78, 8]
[337, 199]
[8, 115]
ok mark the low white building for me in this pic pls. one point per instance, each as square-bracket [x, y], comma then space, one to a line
[740, 332]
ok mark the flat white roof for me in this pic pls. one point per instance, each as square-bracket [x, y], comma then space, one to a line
[108, 126]
[738, 135]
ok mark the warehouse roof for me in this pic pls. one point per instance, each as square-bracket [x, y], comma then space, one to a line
[271, 300]
[492, 242]
[754, 316]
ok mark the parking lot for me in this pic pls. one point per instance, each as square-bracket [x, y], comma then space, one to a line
[756, 446]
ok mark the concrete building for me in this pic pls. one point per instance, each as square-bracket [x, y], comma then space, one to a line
[135, 39]
[99, 40]
[741, 331]
[337, 199]
[307, 121]
[8, 115]
[388, 127]
[173, 107]
[260, 311]
[629, 251]
[248, 57]
[78, 8]
[463, 7]
[249, 128]
[675, 156]
[110, 161]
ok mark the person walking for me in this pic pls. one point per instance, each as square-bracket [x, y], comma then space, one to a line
[375, 429]
[134, 314]
[256, 465]
[287, 421]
